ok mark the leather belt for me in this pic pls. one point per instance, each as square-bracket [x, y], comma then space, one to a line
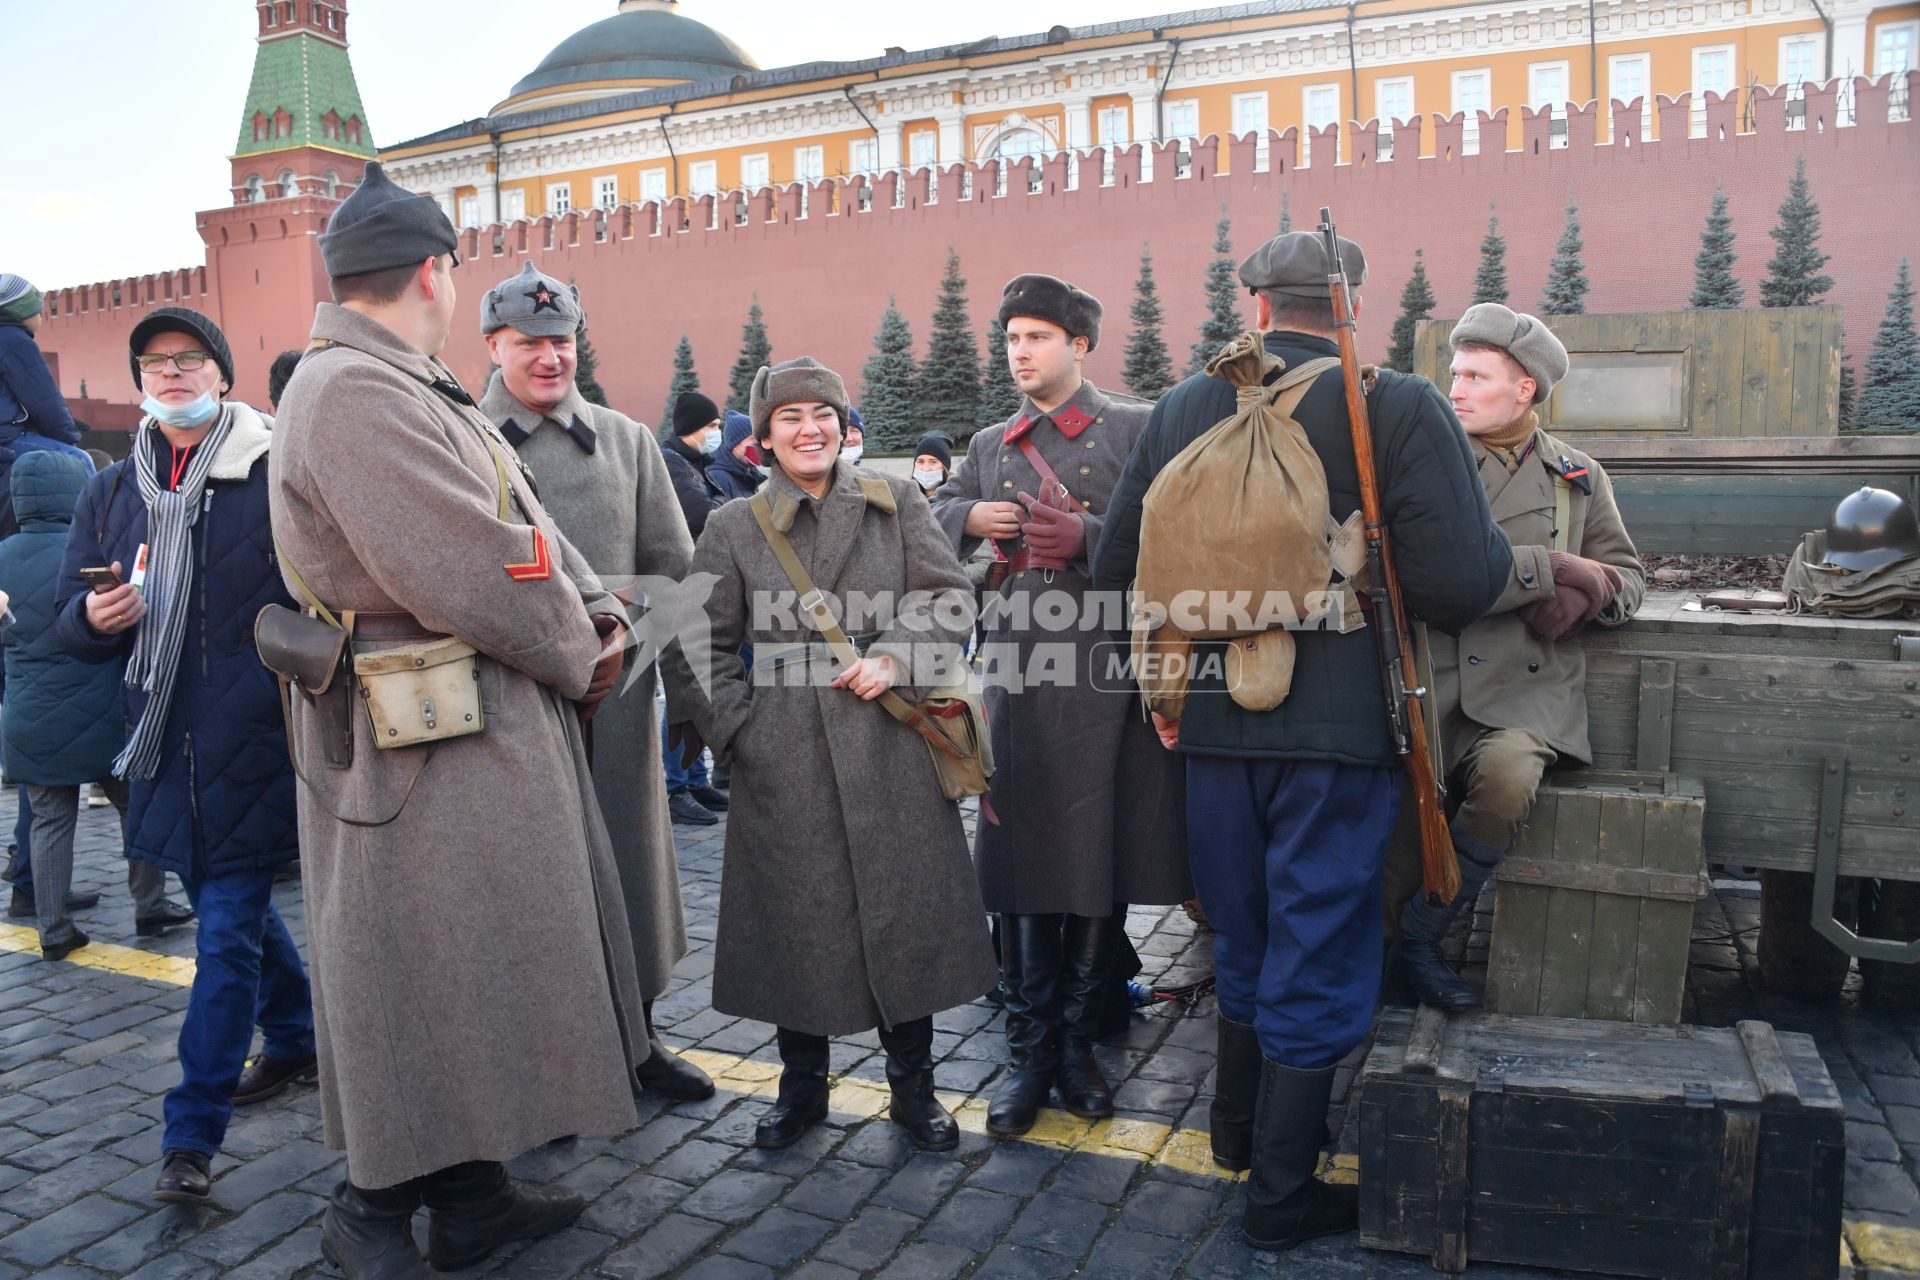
[767, 656]
[1025, 559]
[391, 626]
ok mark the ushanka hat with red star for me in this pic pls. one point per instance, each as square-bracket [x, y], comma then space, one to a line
[534, 303]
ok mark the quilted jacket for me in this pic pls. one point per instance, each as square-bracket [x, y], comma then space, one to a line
[62, 724]
[223, 799]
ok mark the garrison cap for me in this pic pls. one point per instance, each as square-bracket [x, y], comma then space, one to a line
[1526, 338]
[534, 303]
[1296, 264]
[382, 225]
[1042, 297]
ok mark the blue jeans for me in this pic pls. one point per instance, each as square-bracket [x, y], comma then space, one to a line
[20, 867]
[1287, 856]
[679, 779]
[248, 972]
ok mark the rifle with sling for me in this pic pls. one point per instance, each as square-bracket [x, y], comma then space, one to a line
[1439, 867]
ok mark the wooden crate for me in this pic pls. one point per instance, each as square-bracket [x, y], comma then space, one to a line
[1669, 1152]
[1593, 905]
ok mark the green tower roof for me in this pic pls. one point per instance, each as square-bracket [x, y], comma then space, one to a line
[307, 77]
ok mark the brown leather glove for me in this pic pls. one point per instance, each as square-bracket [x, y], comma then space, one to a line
[1056, 535]
[1561, 616]
[606, 672]
[1600, 583]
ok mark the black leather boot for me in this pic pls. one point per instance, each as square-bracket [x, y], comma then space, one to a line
[1286, 1204]
[802, 1101]
[1030, 980]
[1236, 1087]
[914, 1107]
[667, 1073]
[1416, 957]
[475, 1208]
[1085, 948]
[368, 1234]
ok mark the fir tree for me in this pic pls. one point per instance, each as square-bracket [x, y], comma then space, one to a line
[1567, 286]
[684, 380]
[1000, 396]
[1890, 393]
[1490, 281]
[1148, 371]
[1222, 324]
[1848, 388]
[755, 351]
[586, 367]
[949, 390]
[1793, 278]
[1286, 213]
[1416, 304]
[1714, 286]
[887, 393]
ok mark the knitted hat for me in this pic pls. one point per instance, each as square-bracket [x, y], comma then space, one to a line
[1296, 264]
[738, 427]
[692, 411]
[801, 379]
[18, 299]
[935, 444]
[382, 225]
[853, 422]
[1521, 336]
[1051, 299]
[179, 320]
[534, 303]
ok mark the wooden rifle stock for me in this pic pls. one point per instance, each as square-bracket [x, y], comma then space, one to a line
[1439, 867]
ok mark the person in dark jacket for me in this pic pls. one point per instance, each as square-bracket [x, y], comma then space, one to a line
[1289, 810]
[736, 468]
[62, 724]
[932, 462]
[690, 453]
[184, 519]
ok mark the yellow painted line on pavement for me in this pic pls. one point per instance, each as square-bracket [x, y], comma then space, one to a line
[1872, 1244]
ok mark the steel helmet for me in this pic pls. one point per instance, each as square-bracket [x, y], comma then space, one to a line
[1871, 528]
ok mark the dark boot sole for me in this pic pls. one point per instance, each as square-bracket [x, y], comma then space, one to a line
[781, 1144]
[1232, 1165]
[154, 928]
[310, 1076]
[1284, 1243]
[679, 1095]
[185, 1199]
[474, 1257]
[1010, 1130]
[1091, 1113]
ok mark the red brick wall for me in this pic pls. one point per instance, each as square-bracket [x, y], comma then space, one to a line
[823, 280]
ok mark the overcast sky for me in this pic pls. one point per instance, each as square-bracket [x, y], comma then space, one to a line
[121, 113]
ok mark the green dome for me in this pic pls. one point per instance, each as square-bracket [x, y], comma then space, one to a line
[644, 43]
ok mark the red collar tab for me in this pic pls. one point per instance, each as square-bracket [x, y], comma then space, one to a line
[1018, 429]
[1070, 419]
[1576, 475]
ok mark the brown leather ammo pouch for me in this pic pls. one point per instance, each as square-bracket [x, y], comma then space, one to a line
[309, 654]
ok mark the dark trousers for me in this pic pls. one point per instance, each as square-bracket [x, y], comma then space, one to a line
[20, 866]
[247, 973]
[1286, 857]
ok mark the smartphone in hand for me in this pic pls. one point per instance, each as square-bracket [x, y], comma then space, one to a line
[101, 578]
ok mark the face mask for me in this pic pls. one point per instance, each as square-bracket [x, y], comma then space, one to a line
[710, 442]
[929, 478]
[183, 416]
[852, 452]
[751, 455]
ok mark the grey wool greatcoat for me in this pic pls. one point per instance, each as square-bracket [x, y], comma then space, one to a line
[1091, 808]
[603, 481]
[474, 991]
[1498, 674]
[846, 897]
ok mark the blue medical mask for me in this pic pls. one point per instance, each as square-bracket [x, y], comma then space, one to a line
[710, 442]
[183, 416]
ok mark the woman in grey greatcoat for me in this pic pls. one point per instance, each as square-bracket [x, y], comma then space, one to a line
[840, 909]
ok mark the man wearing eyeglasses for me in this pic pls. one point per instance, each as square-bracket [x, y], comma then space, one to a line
[181, 529]
[475, 985]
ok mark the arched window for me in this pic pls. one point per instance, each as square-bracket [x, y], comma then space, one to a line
[256, 190]
[1018, 143]
[331, 181]
[289, 185]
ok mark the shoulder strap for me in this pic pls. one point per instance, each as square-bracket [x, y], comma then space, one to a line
[814, 602]
[1562, 513]
[1286, 394]
[306, 593]
[1032, 455]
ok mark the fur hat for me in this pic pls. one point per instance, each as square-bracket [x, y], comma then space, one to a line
[534, 303]
[1526, 338]
[790, 382]
[1051, 299]
[179, 320]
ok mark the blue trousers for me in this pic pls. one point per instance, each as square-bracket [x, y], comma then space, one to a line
[20, 867]
[1287, 857]
[679, 779]
[248, 972]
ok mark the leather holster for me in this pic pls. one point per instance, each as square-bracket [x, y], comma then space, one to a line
[308, 654]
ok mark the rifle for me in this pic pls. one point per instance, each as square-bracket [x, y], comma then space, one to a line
[1406, 719]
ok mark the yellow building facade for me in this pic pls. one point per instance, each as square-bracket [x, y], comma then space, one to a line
[652, 103]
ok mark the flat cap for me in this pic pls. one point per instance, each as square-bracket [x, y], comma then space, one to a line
[382, 225]
[1052, 299]
[1526, 338]
[534, 303]
[1296, 264]
[799, 380]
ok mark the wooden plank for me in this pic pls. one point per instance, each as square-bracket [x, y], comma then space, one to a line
[1563, 962]
[1706, 344]
[1895, 452]
[1654, 743]
[1808, 357]
[1616, 917]
[1453, 1139]
[1674, 845]
[1729, 374]
[1778, 396]
[1756, 376]
[1519, 941]
[1770, 1070]
[1728, 514]
[1739, 1146]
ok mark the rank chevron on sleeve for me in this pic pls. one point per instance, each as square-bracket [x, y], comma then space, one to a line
[538, 569]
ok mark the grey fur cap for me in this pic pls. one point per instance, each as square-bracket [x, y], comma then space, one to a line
[1526, 338]
[791, 381]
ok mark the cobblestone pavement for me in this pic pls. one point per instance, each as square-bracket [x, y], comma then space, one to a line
[87, 1050]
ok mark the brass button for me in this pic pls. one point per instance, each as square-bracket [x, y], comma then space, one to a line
[1099, 420]
[1089, 444]
[1006, 484]
[1086, 471]
[1087, 502]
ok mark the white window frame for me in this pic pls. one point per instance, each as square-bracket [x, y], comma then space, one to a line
[559, 198]
[1307, 121]
[1470, 114]
[469, 211]
[1815, 44]
[606, 190]
[513, 204]
[1911, 30]
[703, 178]
[923, 148]
[1557, 105]
[1105, 120]
[863, 155]
[1250, 113]
[1644, 64]
[653, 186]
[809, 163]
[1386, 116]
[1182, 107]
[1697, 115]
[756, 171]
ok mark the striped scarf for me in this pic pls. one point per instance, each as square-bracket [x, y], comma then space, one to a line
[168, 589]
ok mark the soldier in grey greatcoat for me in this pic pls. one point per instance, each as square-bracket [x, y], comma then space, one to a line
[473, 979]
[604, 482]
[1511, 690]
[846, 903]
[1056, 858]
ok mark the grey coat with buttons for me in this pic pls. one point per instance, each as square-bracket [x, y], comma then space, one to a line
[1498, 674]
[1090, 807]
